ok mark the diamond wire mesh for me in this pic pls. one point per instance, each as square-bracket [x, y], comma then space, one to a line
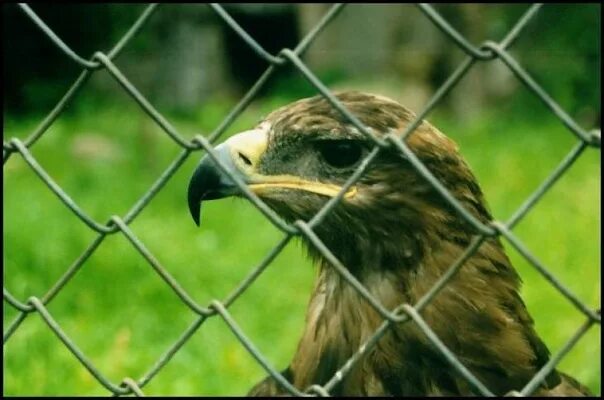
[404, 313]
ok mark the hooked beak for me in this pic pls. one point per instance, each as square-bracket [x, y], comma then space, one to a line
[240, 155]
[209, 182]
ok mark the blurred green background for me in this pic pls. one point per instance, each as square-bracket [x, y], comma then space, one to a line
[106, 153]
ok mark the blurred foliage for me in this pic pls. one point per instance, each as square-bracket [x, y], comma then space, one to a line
[35, 73]
[106, 153]
[560, 47]
[562, 51]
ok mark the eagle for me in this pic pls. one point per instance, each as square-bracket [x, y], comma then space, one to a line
[397, 236]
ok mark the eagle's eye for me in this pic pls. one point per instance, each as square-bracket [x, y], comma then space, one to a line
[340, 153]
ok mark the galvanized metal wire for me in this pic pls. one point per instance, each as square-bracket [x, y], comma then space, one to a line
[404, 313]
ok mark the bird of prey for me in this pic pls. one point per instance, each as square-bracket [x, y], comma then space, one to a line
[397, 235]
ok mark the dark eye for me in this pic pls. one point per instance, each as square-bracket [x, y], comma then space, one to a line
[340, 153]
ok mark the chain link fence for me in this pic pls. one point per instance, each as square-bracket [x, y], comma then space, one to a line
[404, 313]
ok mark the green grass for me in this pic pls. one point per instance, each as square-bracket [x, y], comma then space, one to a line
[122, 315]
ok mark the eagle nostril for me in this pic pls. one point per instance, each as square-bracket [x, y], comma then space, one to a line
[244, 159]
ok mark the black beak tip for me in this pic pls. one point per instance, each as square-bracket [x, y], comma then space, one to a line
[196, 215]
[194, 200]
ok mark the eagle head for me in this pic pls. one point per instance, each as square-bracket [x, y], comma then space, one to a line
[301, 155]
